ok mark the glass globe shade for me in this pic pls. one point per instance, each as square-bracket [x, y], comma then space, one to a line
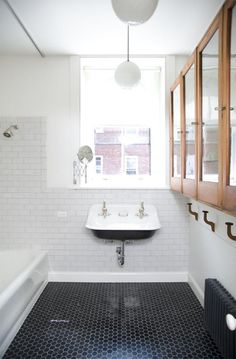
[134, 12]
[127, 74]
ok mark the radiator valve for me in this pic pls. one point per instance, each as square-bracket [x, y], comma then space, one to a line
[231, 322]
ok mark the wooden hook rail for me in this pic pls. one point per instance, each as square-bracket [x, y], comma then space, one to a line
[212, 224]
[229, 231]
[195, 214]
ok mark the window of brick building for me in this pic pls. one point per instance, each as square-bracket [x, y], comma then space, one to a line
[124, 128]
[131, 165]
[120, 148]
[99, 164]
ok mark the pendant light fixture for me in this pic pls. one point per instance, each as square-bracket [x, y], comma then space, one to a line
[134, 12]
[127, 73]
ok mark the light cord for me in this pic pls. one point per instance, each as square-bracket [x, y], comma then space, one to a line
[128, 42]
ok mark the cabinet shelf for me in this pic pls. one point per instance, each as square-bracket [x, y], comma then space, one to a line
[210, 160]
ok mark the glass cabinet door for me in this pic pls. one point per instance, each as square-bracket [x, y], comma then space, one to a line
[176, 133]
[229, 131]
[232, 103]
[190, 123]
[210, 110]
[210, 113]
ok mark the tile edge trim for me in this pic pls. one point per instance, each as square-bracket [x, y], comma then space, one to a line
[116, 277]
[196, 289]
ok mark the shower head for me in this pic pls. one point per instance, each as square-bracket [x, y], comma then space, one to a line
[9, 132]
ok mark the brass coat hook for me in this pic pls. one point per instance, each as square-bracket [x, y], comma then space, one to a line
[229, 231]
[212, 224]
[195, 214]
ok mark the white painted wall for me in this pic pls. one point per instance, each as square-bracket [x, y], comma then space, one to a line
[212, 255]
[180, 61]
[34, 86]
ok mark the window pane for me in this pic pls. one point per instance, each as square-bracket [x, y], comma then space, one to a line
[123, 145]
[116, 122]
[98, 164]
[189, 126]
[131, 164]
[233, 101]
[210, 111]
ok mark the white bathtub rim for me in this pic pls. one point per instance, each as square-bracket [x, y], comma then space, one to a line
[16, 327]
[17, 282]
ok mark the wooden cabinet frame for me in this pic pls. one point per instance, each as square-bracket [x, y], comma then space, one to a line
[176, 182]
[210, 192]
[229, 192]
[189, 186]
[219, 194]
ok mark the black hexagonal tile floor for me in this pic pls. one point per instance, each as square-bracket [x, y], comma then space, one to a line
[114, 321]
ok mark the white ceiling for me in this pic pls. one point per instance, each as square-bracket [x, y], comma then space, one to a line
[90, 27]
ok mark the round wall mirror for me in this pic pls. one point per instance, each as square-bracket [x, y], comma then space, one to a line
[85, 154]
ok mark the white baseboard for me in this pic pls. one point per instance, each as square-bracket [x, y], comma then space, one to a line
[196, 289]
[14, 330]
[117, 277]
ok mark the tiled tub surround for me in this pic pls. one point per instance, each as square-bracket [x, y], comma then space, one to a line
[115, 321]
[30, 213]
[23, 276]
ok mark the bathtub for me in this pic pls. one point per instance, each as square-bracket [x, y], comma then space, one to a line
[23, 276]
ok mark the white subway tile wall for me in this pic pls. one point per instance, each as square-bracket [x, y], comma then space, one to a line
[29, 213]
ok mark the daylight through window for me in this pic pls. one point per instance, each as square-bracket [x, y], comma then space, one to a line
[125, 128]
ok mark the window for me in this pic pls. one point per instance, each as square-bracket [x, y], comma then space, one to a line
[131, 165]
[124, 128]
[115, 144]
[99, 164]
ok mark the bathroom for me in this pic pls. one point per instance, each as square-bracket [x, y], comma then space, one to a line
[85, 303]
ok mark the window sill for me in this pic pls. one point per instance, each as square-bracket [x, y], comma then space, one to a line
[122, 182]
[78, 187]
[119, 185]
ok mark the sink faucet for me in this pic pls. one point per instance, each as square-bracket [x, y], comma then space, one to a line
[104, 210]
[141, 212]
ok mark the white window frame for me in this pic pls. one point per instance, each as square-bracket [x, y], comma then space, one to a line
[159, 153]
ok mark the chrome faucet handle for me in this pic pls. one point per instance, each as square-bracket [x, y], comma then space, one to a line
[104, 212]
[141, 212]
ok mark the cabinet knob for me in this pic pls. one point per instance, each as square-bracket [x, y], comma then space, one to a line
[220, 108]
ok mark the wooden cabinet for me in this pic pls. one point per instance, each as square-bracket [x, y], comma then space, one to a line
[229, 103]
[203, 156]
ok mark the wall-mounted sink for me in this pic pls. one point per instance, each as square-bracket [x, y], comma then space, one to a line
[123, 222]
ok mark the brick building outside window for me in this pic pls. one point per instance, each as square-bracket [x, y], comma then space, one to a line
[123, 150]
